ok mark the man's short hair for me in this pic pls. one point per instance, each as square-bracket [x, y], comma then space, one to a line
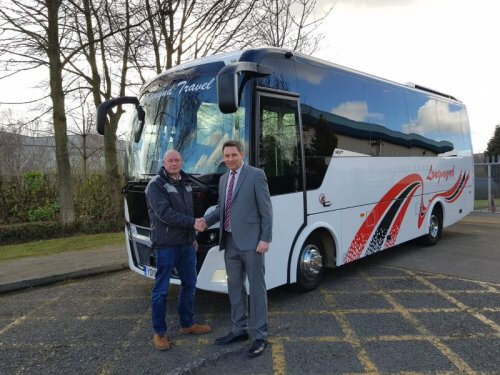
[233, 144]
[166, 152]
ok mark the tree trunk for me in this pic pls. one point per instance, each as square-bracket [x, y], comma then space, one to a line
[64, 180]
[84, 156]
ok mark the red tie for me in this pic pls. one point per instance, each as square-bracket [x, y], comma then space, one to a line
[227, 211]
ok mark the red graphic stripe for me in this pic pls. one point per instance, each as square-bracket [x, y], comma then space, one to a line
[366, 229]
[396, 226]
[462, 187]
[450, 192]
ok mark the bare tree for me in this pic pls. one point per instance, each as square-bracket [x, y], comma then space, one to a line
[116, 33]
[182, 29]
[83, 130]
[104, 30]
[290, 24]
[37, 29]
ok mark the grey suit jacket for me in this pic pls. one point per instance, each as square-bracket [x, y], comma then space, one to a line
[251, 209]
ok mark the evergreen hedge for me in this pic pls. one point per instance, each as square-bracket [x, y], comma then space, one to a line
[35, 231]
[29, 209]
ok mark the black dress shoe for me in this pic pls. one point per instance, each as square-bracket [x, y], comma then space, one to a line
[231, 337]
[257, 348]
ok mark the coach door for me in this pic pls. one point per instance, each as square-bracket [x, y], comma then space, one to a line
[279, 153]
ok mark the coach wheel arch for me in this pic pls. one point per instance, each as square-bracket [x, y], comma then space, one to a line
[317, 253]
[435, 226]
[328, 245]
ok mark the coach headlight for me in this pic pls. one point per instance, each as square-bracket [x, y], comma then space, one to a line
[125, 208]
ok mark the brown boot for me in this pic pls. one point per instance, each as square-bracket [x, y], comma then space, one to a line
[196, 329]
[161, 342]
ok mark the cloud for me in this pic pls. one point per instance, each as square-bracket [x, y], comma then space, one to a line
[314, 76]
[356, 111]
[426, 117]
[449, 121]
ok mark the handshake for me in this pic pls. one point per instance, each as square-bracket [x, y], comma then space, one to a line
[200, 224]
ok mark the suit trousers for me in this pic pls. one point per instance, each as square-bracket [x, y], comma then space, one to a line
[239, 265]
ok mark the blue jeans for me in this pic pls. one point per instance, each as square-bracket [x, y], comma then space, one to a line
[183, 258]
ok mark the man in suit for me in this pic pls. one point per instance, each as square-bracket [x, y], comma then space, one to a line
[245, 213]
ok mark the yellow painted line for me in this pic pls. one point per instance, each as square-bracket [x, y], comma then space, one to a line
[311, 339]
[472, 292]
[278, 356]
[407, 291]
[461, 305]
[86, 317]
[328, 312]
[490, 288]
[35, 345]
[488, 309]
[351, 338]
[389, 338]
[378, 292]
[23, 318]
[454, 358]
[13, 324]
[390, 277]
[436, 310]
[378, 311]
[426, 337]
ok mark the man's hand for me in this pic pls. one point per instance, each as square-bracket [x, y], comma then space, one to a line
[262, 247]
[195, 244]
[200, 225]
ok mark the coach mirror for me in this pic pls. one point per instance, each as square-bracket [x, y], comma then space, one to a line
[228, 92]
[105, 107]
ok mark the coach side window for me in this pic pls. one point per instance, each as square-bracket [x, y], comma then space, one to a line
[423, 125]
[467, 151]
[450, 127]
[333, 107]
[279, 147]
[389, 118]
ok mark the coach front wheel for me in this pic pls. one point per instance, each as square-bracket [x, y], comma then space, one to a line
[310, 266]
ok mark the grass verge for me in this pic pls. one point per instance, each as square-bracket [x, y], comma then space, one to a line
[60, 245]
[483, 203]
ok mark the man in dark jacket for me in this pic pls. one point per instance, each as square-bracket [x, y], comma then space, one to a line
[170, 207]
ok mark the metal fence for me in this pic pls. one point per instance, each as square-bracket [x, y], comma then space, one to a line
[487, 186]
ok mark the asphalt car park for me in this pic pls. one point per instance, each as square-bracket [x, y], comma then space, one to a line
[371, 316]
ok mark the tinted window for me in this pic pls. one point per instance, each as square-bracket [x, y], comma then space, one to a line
[334, 111]
[319, 143]
[467, 151]
[424, 126]
[389, 132]
[283, 75]
[279, 144]
[450, 127]
[336, 102]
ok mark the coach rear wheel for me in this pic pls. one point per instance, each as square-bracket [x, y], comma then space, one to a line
[435, 229]
[310, 266]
